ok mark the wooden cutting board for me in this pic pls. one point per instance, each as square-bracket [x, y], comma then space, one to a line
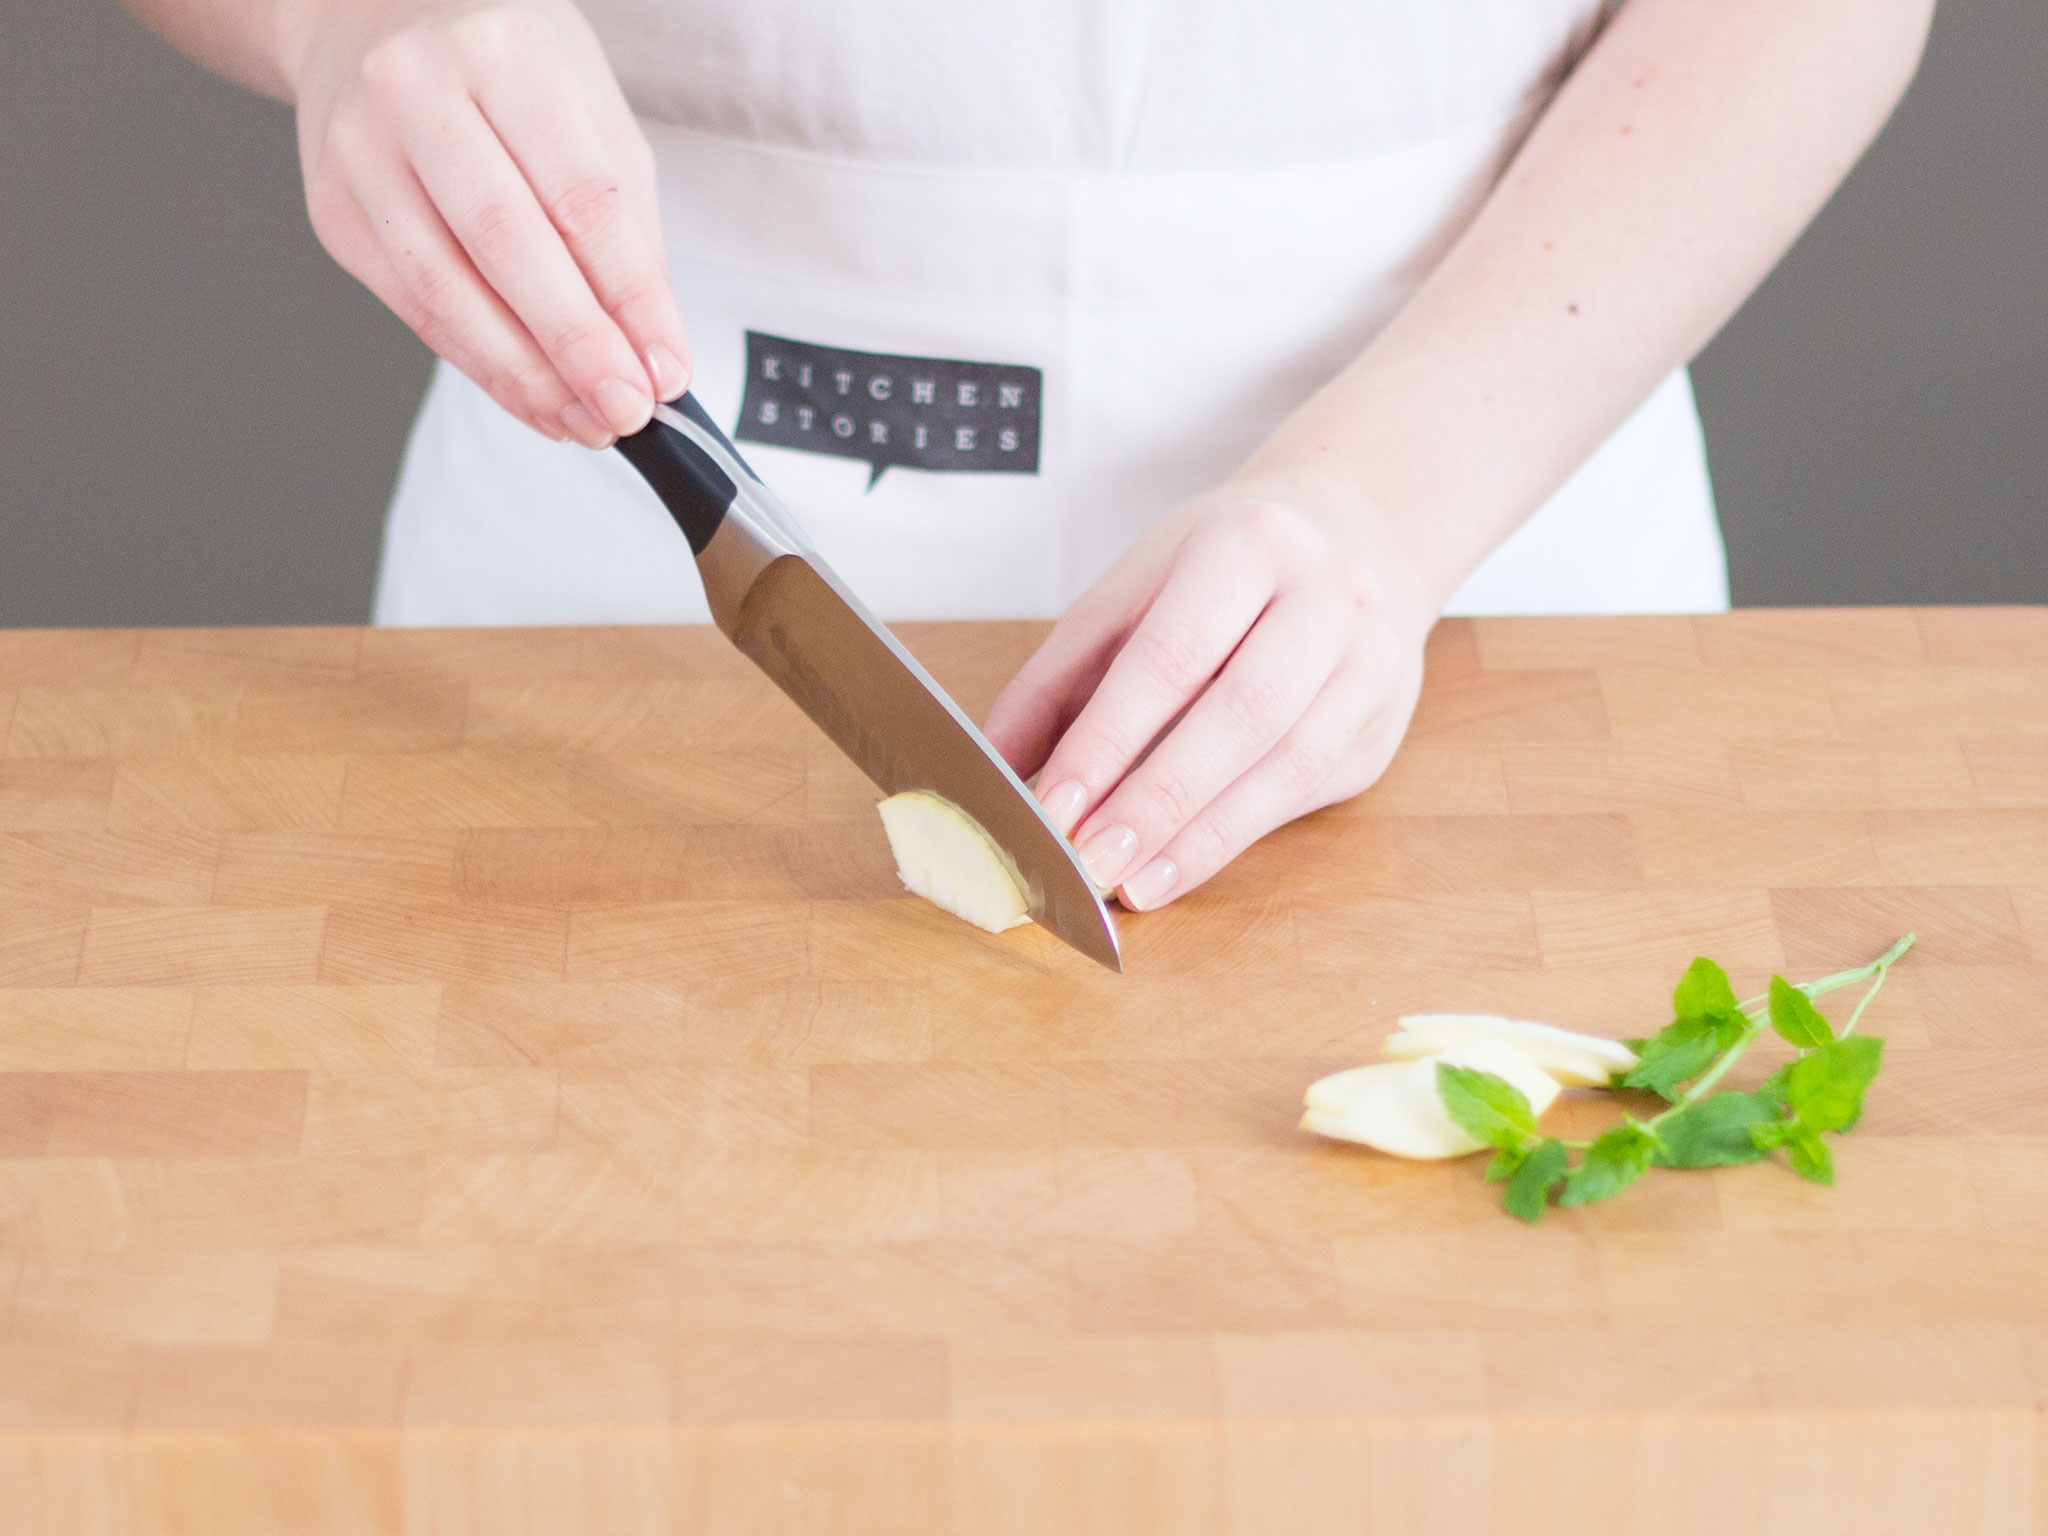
[490, 1082]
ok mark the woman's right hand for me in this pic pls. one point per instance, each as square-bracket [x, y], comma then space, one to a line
[474, 164]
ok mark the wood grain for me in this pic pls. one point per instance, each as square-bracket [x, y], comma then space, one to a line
[491, 1082]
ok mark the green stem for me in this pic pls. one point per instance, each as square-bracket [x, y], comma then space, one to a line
[1757, 1011]
[1827, 984]
[1705, 1085]
[1884, 964]
[1862, 1003]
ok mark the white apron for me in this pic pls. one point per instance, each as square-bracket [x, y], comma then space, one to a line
[1184, 221]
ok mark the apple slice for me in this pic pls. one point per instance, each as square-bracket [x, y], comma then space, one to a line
[943, 855]
[1575, 1060]
[1394, 1105]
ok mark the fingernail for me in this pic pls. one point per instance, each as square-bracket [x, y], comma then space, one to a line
[625, 407]
[1108, 854]
[1150, 885]
[1063, 804]
[584, 427]
[666, 369]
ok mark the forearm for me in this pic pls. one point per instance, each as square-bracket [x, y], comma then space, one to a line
[261, 43]
[1675, 167]
[236, 38]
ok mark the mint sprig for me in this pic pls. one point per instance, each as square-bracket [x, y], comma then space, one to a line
[1819, 1092]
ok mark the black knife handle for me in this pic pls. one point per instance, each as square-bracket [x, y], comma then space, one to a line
[690, 483]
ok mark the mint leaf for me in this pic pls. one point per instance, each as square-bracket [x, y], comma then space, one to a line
[1702, 991]
[1794, 1016]
[1706, 1023]
[1616, 1160]
[1771, 1133]
[1810, 1156]
[1529, 1190]
[1714, 1133]
[1676, 1055]
[1826, 1085]
[1491, 1110]
[1506, 1163]
[1772, 1090]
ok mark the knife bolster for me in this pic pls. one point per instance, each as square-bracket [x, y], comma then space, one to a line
[689, 482]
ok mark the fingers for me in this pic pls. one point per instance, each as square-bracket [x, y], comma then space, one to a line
[1266, 673]
[1211, 597]
[478, 168]
[397, 245]
[1274, 676]
[493, 211]
[1332, 752]
[604, 214]
[1049, 690]
[1042, 700]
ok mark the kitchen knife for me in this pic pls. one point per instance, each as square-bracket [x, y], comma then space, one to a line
[777, 600]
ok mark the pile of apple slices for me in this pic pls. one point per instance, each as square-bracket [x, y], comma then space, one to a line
[1395, 1107]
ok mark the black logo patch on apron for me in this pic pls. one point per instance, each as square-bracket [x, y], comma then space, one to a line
[934, 413]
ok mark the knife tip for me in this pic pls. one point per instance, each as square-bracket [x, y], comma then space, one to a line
[1102, 945]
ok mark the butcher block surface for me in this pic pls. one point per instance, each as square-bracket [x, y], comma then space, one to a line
[492, 1081]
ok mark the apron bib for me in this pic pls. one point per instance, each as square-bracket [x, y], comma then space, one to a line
[1135, 335]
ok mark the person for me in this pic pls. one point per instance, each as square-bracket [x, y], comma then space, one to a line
[1311, 321]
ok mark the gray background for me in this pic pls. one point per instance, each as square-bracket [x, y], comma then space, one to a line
[203, 416]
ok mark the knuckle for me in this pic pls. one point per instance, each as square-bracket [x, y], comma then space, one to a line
[589, 208]
[1091, 756]
[436, 289]
[491, 34]
[408, 306]
[571, 336]
[1357, 596]
[342, 149]
[1204, 845]
[1173, 653]
[394, 68]
[1260, 522]
[637, 296]
[1170, 798]
[510, 378]
[1303, 767]
[500, 387]
[424, 325]
[1257, 707]
[535, 383]
[497, 233]
[1266, 531]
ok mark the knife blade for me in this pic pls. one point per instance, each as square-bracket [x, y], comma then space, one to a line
[777, 600]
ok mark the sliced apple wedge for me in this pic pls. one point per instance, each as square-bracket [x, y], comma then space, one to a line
[1575, 1060]
[1394, 1105]
[943, 855]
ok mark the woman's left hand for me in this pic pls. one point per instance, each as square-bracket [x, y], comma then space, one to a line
[1276, 636]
